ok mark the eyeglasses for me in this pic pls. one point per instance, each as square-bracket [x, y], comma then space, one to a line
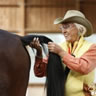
[66, 26]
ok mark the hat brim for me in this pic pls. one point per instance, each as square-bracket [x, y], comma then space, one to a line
[79, 20]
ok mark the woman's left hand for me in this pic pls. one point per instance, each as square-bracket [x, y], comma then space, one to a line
[53, 47]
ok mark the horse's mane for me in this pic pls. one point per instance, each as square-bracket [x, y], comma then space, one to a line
[55, 75]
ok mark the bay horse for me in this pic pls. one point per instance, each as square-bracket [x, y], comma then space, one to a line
[14, 63]
[15, 66]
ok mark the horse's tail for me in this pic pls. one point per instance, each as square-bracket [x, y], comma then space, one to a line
[55, 75]
[27, 39]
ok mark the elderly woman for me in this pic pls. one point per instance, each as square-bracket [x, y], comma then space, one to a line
[76, 53]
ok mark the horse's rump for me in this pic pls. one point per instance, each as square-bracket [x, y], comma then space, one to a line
[14, 65]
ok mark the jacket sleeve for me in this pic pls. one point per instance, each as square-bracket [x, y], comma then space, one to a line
[40, 67]
[85, 64]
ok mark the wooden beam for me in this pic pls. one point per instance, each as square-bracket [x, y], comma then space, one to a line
[78, 4]
[41, 31]
[9, 5]
[22, 17]
[49, 5]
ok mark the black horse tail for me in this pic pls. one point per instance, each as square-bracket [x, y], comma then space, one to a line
[55, 73]
[27, 39]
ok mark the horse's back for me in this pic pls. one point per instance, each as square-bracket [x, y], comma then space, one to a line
[14, 65]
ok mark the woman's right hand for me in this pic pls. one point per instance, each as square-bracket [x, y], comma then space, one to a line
[35, 44]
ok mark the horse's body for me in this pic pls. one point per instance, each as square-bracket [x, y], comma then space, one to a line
[14, 65]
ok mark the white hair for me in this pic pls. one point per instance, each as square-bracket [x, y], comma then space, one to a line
[81, 29]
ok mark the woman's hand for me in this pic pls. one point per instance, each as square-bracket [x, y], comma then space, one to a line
[35, 44]
[56, 49]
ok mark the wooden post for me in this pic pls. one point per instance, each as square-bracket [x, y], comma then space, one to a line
[78, 4]
[22, 17]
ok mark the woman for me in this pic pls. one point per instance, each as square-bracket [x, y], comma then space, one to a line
[76, 53]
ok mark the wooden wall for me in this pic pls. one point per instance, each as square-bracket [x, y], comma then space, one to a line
[11, 15]
[88, 7]
[26, 16]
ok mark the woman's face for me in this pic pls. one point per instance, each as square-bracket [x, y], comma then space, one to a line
[70, 32]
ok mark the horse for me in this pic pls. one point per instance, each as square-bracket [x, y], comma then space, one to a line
[15, 66]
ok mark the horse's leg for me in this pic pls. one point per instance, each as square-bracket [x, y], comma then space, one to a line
[14, 69]
[19, 72]
[4, 84]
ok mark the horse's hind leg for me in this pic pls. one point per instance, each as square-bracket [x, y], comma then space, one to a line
[14, 66]
[4, 84]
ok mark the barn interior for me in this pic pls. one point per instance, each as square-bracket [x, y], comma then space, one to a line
[25, 17]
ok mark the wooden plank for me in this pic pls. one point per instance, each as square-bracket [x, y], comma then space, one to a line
[8, 2]
[51, 2]
[78, 4]
[13, 15]
[8, 18]
[9, 5]
[22, 17]
[41, 19]
[42, 31]
[87, 9]
[48, 6]
[88, 1]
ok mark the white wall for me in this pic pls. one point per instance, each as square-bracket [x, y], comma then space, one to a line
[58, 38]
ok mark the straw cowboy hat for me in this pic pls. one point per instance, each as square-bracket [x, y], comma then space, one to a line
[76, 17]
